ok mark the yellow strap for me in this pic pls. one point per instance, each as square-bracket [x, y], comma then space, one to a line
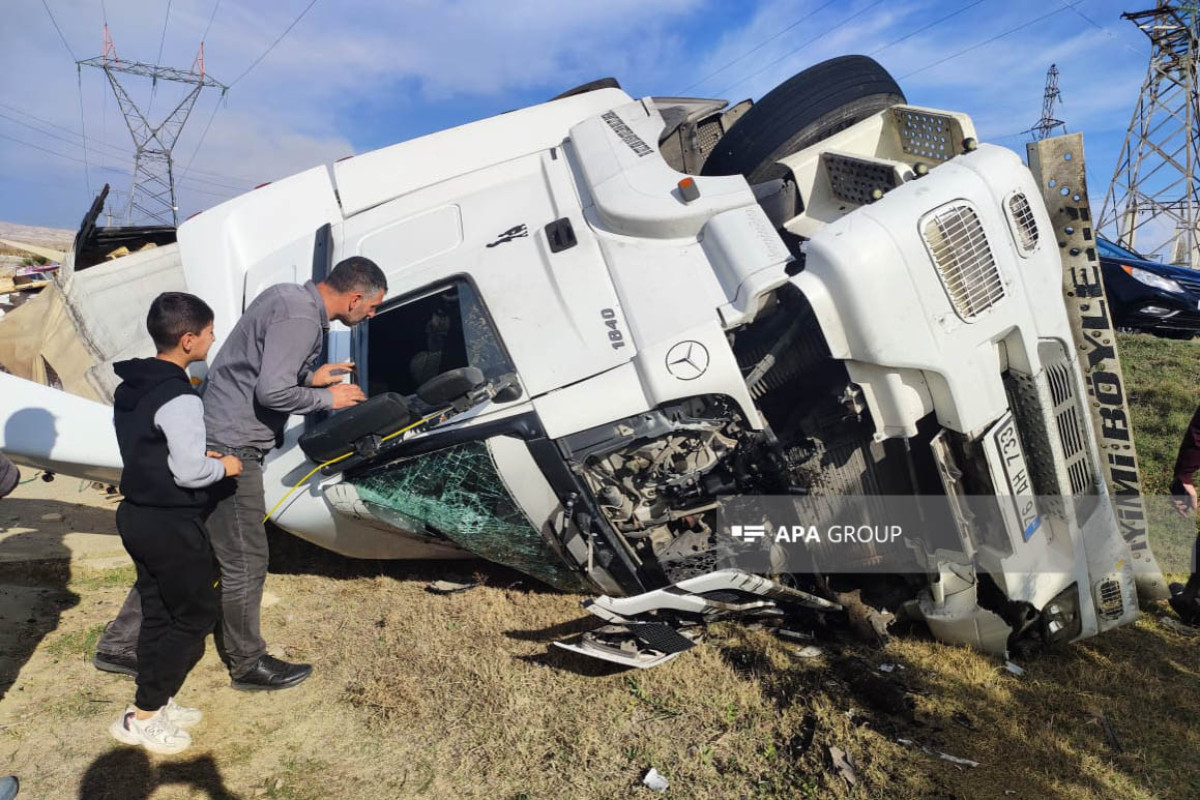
[313, 471]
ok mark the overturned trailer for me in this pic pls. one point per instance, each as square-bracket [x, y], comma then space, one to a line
[615, 315]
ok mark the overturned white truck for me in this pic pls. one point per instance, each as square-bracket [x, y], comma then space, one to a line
[620, 312]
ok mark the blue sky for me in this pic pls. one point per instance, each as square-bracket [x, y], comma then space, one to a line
[355, 75]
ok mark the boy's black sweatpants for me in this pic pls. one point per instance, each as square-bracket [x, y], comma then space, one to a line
[176, 573]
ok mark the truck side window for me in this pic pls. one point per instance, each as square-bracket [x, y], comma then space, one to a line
[443, 329]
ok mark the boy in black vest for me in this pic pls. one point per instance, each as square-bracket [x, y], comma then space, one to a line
[160, 429]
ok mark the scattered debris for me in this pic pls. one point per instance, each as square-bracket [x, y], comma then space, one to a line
[1014, 669]
[450, 587]
[800, 636]
[1176, 626]
[654, 781]
[964, 720]
[1110, 733]
[882, 692]
[869, 623]
[963, 762]
[811, 651]
[841, 761]
[890, 667]
[52, 517]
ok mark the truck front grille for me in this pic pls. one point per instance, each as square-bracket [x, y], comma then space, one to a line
[963, 258]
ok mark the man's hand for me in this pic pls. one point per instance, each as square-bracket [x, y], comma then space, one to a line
[346, 395]
[330, 374]
[233, 466]
[1183, 496]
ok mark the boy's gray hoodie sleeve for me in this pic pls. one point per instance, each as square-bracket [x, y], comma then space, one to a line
[182, 421]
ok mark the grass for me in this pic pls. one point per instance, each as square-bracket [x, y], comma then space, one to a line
[417, 695]
[1163, 389]
[75, 644]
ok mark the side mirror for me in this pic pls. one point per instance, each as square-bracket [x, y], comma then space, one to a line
[452, 386]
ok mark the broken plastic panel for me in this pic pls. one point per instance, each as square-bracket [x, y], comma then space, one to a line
[457, 492]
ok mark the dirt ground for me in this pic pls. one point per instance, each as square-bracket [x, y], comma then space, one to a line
[421, 695]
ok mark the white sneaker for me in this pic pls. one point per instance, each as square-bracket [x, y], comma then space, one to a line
[182, 716]
[157, 734]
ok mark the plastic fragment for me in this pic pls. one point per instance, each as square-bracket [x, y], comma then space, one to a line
[1014, 669]
[654, 781]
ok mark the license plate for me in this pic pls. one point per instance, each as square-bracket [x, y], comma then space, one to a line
[1016, 475]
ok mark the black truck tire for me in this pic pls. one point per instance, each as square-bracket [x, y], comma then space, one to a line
[590, 86]
[806, 108]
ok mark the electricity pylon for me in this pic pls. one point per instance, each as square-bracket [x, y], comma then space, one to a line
[152, 193]
[1048, 123]
[1156, 174]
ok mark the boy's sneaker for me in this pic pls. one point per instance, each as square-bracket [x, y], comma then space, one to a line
[182, 716]
[157, 734]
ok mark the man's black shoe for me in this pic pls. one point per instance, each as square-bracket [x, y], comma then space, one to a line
[269, 673]
[1188, 608]
[119, 663]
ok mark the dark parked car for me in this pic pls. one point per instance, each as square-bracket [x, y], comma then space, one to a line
[1146, 295]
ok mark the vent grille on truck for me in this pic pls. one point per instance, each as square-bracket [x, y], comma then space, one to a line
[930, 136]
[854, 180]
[1070, 426]
[1024, 227]
[964, 260]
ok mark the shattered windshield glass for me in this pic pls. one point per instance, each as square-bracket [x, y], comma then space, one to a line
[457, 492]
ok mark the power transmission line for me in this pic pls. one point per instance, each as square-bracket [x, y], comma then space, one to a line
[122, 169]
[273, 44]
[761, 44]
[122, 151]
[988, 41]
[933, 24]
[54, 22]
[207, 28]
[790, 53]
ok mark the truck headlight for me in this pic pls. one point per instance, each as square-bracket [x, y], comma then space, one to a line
[1061, 621]
[1150, 279]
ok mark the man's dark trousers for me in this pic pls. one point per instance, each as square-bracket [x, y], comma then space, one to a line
[176, 583]
[239, 540]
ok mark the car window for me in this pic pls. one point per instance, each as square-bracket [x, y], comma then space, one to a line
[443, 329]
[1110, 250]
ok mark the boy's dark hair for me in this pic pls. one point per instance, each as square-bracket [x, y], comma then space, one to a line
[357, 274]
[172, 314]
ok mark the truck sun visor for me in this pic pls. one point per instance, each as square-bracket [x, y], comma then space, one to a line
[383, 414]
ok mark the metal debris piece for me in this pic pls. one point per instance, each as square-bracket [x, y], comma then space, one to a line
[890, 667]
[54, 517]
[449, 587]
[801, 636]
[810, 652]
[1175, 626]
[841, 762]
[963, 762]
[1014, 669]
[964, 720]
[654, 781]
[1110, 733]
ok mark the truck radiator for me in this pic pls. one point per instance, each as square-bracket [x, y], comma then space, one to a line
[964, 260]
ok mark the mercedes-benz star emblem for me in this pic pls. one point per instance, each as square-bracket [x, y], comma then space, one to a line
[687, 360]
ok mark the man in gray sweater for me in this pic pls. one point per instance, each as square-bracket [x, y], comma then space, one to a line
[267, 370]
